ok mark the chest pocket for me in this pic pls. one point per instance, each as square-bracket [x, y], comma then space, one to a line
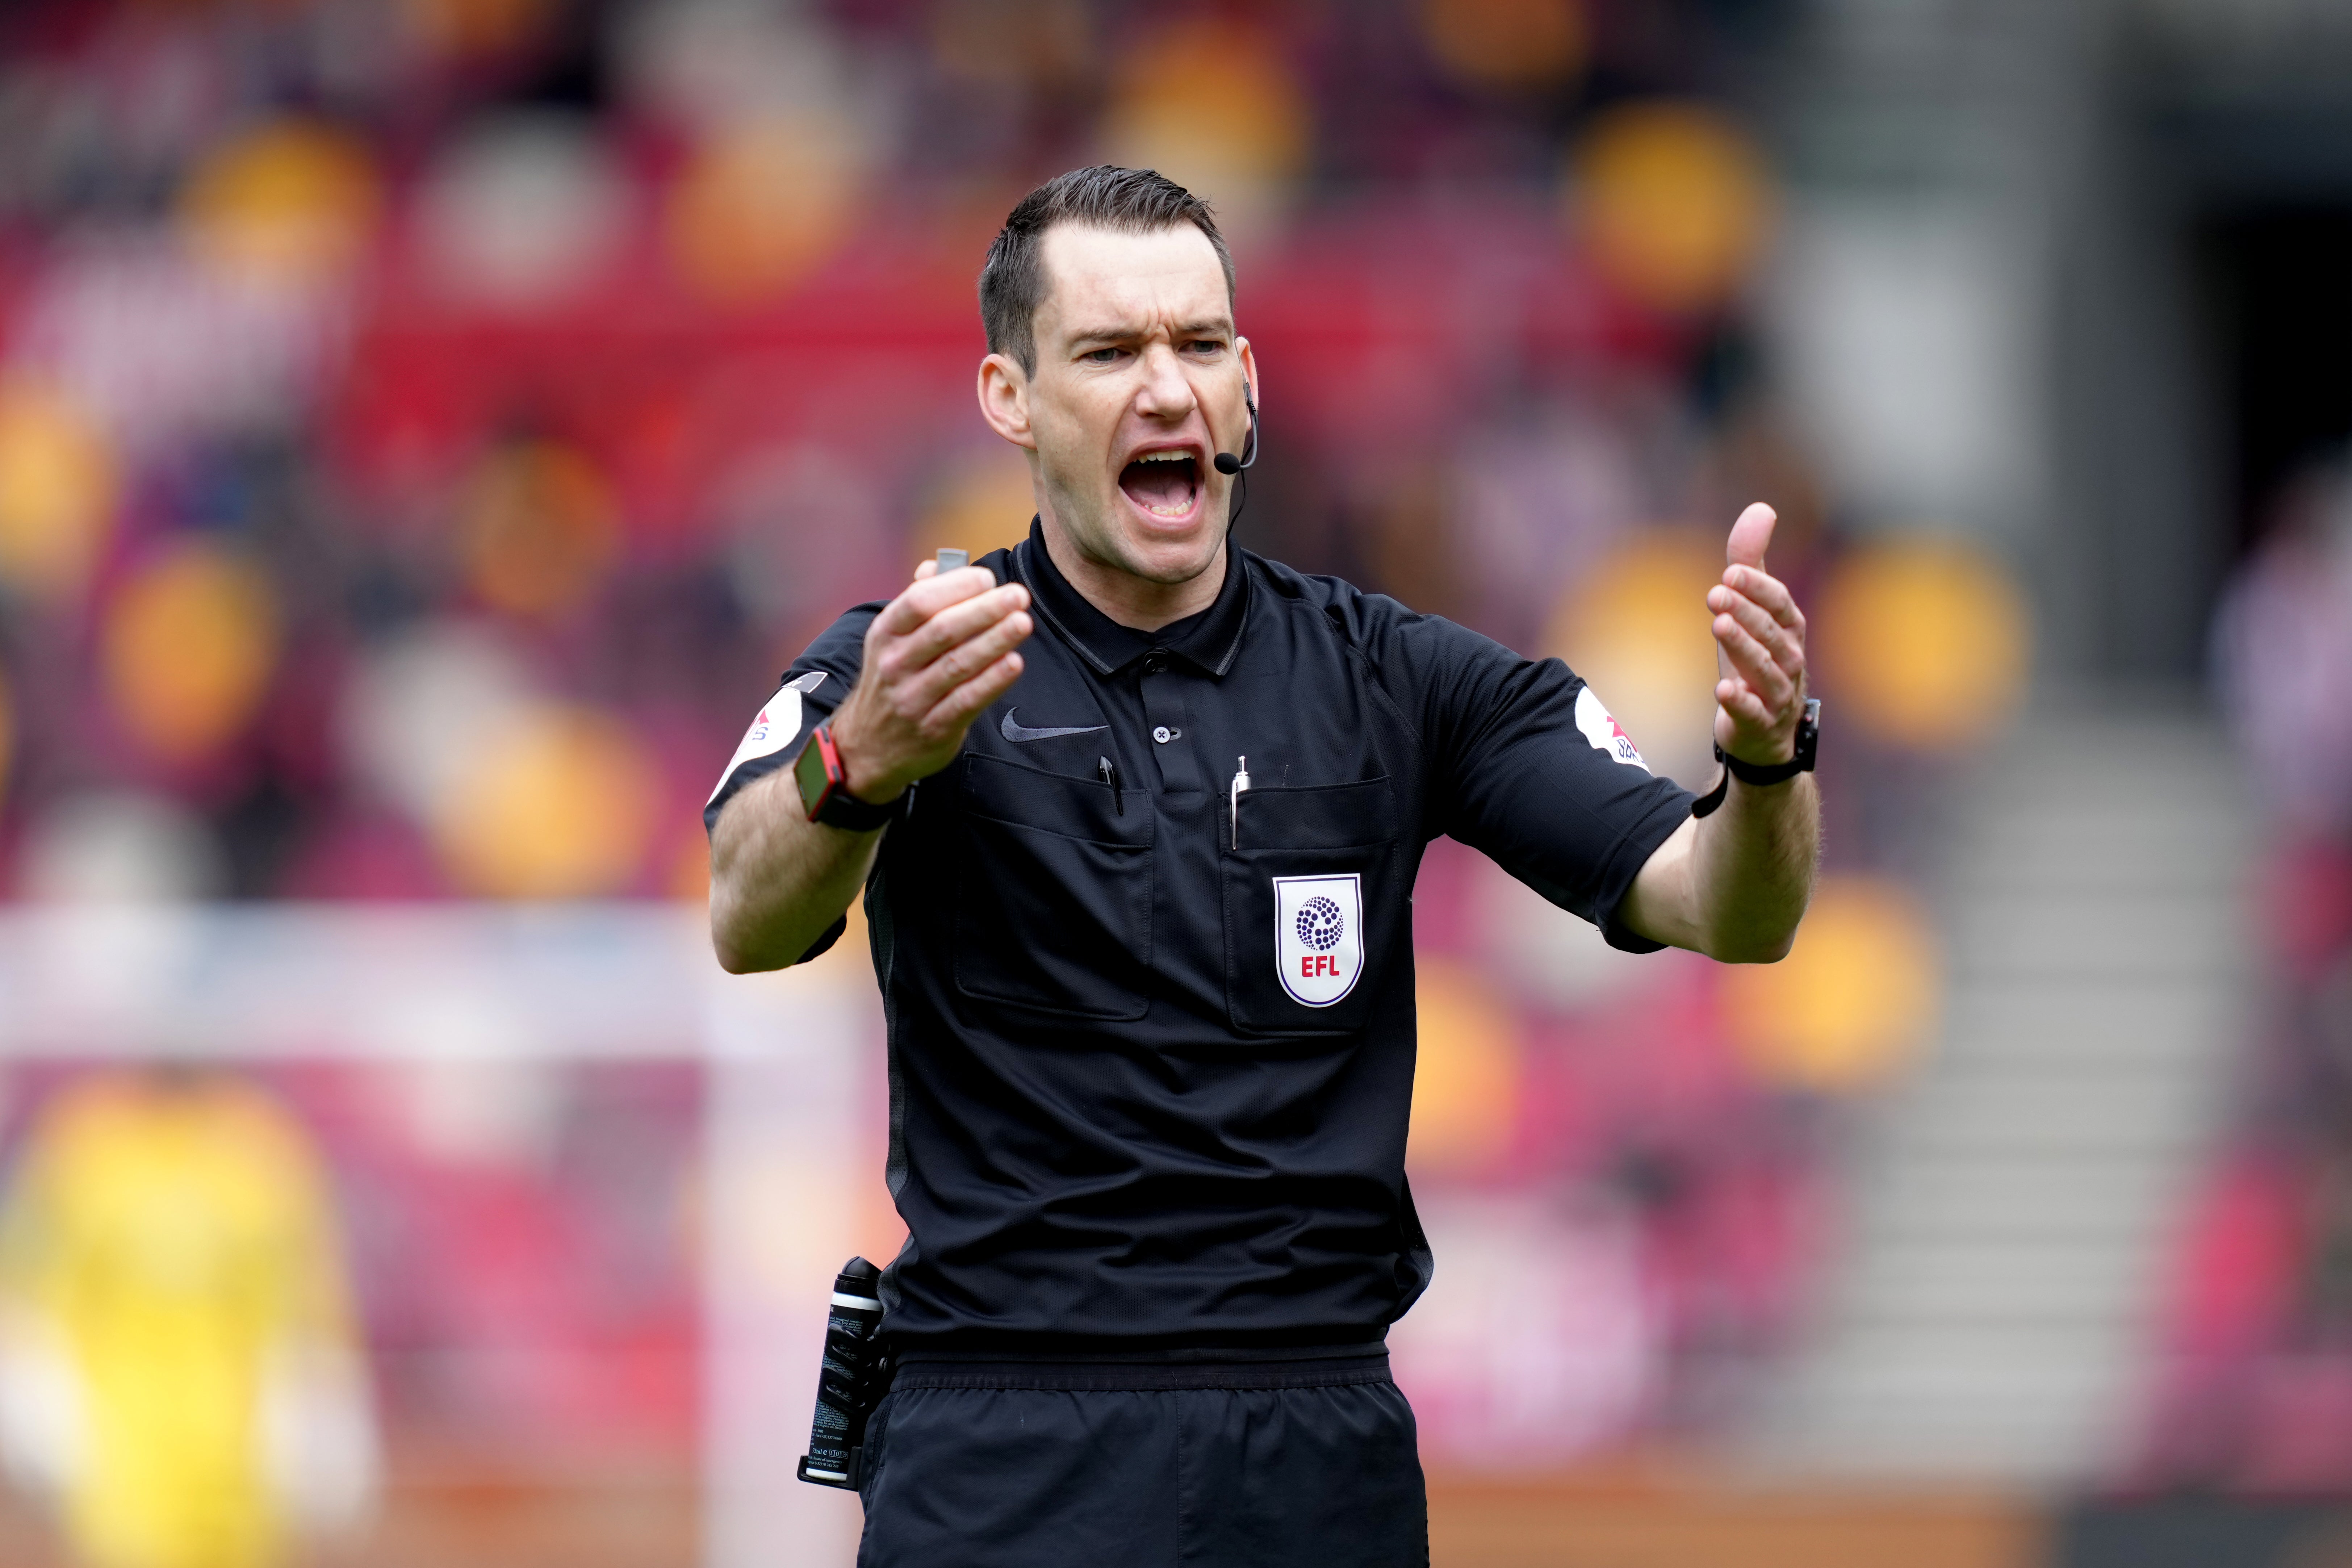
[1054, 893]
[1314, 913]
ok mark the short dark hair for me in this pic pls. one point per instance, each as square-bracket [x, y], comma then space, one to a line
[1133, 201]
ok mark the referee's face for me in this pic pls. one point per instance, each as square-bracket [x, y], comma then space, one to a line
[1138, 386]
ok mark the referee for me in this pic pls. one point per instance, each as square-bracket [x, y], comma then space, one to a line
[1137, 819]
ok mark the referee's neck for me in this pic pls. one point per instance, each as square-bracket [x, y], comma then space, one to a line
[1139, 603]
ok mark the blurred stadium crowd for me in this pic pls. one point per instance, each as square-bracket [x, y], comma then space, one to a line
[427, 426]
[424, 422]
[2259, 1311]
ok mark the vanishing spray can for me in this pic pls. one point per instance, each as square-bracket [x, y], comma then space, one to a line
[847, 1385]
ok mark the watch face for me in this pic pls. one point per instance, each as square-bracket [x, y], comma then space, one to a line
[808, 771]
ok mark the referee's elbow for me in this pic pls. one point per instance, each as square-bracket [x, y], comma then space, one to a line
[1752, 946]
[736, 955]
[738, 960]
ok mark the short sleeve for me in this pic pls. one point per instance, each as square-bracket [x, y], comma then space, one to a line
[1529, 768]
[809, 692]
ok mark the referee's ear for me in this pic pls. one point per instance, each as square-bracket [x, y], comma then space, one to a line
[1005, 400]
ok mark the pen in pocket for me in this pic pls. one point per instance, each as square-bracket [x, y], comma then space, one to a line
[1234, 805]
[1108, 773]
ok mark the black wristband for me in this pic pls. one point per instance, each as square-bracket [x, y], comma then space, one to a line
[844, 810]
[1763, 774]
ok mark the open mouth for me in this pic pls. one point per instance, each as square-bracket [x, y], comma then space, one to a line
[1164, 484]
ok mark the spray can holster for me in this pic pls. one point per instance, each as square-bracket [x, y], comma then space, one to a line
[851, 1381]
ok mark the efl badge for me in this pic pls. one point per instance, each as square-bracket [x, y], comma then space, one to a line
[1319, 936]
[1601, 728]
[778, 725]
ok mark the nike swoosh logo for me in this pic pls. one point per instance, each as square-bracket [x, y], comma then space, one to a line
[1023, 732]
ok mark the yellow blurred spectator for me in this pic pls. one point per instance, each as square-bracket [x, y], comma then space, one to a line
[188, 645]
[983, 502]
[291, 201]
[1922, 642]
[1511, 43]
[1852, 1000]
[761, 203]
[537, 530]
[1466, 1076]
[1673, 201]
[558, 804]
[1636, 629]
[58, 484]
[1213, 106]
[181, 1367]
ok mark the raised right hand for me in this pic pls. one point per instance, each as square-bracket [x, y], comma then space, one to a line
[936, 656]
[1760, 633]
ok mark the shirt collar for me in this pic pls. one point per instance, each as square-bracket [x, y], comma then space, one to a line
[1207, 640]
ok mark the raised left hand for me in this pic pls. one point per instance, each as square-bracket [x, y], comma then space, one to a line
[1760, 639]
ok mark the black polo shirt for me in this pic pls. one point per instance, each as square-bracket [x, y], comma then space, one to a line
[1151, 1051]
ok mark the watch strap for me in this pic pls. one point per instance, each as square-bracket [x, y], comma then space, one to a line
[844, 810]
[834, 806]
[1762, 774]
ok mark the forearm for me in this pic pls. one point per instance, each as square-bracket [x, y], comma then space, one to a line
[936, 656]
[1752, 866]
[777, 879]
[1733, 885]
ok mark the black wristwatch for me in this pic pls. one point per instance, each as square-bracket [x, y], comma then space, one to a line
[825, 788]
[1808, 741]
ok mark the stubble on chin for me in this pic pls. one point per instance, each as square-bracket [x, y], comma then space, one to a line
[1103, 543]
[1172, 576]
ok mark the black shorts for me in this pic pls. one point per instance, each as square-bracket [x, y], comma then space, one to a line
[1031, 1465]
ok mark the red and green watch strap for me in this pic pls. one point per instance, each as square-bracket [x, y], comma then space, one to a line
[825, 790]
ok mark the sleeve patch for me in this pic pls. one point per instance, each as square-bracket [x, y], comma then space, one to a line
[1601, 729]
[778, 725]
